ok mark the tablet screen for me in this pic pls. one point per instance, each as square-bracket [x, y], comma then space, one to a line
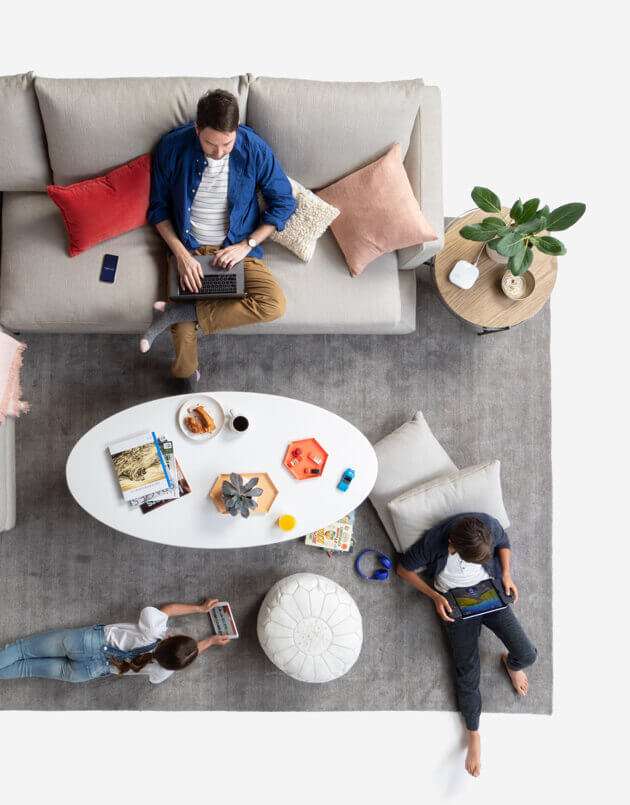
[472, 603]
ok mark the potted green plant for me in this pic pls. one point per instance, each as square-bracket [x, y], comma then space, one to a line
[238, 496]
[511, 239]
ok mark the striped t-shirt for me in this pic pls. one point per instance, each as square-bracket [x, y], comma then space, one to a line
[209, 217]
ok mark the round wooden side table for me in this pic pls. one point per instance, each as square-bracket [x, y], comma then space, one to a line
[485, 305]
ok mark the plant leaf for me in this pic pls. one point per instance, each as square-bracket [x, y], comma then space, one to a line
[565, 216]
[535, 225]
[529, 209]
[250, 485]
[485, 199]
[236, 481]
[517, 210]
[548, 245]
[493, 224]
[516, 257]
[511, 243]
[256, 493]
[519, 263]
[477, 232]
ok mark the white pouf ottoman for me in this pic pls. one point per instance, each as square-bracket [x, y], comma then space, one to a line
[310, 628]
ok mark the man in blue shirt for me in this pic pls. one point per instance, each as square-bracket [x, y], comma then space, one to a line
[204, 183]
[463, 551]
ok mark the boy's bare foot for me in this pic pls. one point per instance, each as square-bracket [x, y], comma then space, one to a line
[473, 755]
[519, 679]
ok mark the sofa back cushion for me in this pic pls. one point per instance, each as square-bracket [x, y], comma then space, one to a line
[23, 158]
[323, 130]
[95, 124]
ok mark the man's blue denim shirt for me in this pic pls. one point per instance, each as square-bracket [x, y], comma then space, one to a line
[177, 166]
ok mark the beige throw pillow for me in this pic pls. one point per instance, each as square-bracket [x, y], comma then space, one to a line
[474, 489]
[379, 212]
[408, 457]
[308, 223]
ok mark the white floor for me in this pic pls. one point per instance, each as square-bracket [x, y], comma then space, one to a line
[533, 99]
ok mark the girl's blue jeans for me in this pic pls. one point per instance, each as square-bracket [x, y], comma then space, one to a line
[71, 655]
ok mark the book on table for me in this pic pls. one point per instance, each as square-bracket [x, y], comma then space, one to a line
[182, 488]
[148, 471]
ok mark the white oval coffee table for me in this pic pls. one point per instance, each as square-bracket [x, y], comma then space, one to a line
[193, 520]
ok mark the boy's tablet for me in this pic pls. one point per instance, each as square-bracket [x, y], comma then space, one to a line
[222, 620]
[477, 600]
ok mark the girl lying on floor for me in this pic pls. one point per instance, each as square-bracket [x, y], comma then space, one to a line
[86, 653]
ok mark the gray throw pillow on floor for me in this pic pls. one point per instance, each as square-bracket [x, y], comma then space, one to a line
[408, 457]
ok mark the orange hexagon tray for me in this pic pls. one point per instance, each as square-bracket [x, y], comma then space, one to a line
[311, 449]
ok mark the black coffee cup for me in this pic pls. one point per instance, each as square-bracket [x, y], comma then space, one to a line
[239, 423]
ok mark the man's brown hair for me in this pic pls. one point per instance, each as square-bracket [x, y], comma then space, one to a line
[472, 540]
[218, 110]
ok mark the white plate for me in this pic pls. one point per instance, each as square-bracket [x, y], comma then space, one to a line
[211, 405]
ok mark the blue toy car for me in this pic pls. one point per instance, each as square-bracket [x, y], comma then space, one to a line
[346, 478]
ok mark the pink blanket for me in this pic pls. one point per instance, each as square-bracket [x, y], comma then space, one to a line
[10, 365]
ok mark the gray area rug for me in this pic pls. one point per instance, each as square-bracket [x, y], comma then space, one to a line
[484, 397]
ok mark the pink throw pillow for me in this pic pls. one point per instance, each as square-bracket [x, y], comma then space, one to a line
[379, 212]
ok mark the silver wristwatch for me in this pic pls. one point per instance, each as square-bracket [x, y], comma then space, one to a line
[252, 243]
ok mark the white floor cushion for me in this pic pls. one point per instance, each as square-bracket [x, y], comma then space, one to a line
[474, 489]
[408, 457]
[310, 627]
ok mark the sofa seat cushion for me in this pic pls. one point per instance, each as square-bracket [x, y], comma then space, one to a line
[323, 130]
[322, 297]
[43, 289]
[7, 474]
[94, 124]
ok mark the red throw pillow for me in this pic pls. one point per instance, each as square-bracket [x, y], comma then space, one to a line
[98, 209]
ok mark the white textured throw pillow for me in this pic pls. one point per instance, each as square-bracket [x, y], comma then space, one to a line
[474, 489]
[308, 223]
[409, 456]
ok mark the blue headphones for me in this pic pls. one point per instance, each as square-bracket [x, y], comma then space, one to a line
[381, 573]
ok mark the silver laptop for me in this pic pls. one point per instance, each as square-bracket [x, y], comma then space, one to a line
[218, 283]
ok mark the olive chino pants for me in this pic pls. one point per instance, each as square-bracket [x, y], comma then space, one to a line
[265, 301]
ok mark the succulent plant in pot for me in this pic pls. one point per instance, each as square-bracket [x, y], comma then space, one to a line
[238, 496]
[514, 237]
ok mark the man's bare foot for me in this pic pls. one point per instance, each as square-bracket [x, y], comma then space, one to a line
[473, 755]
[519, 679]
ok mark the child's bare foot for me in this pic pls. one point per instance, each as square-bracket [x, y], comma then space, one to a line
[519, 679]
[473, 755]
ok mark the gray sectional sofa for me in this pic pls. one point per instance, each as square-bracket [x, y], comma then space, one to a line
[56, 130]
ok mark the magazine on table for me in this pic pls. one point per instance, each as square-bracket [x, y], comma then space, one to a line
[166, 446]
[183, 488]
[140, 466]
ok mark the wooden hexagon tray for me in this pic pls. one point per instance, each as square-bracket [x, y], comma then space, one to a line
[265, 501]
[301, 470]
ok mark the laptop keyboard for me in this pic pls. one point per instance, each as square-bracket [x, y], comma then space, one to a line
[215, 284]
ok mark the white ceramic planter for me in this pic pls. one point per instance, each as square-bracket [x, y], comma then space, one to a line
[495, 256]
